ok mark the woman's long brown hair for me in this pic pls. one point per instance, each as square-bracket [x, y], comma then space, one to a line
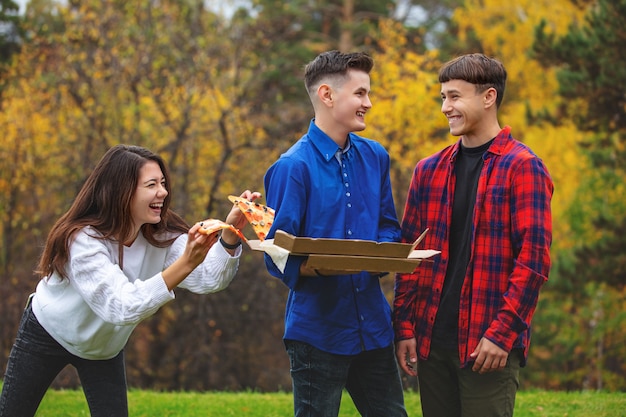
[104, 203]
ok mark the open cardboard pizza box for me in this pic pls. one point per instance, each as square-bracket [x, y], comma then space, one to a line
[350, 254]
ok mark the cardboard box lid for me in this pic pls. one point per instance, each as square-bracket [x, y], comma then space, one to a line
[347, 247]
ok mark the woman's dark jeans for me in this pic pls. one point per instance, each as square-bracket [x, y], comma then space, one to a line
[36, 359]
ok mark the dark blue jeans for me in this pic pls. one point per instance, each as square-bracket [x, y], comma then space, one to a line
[371, 378]
[36, 359]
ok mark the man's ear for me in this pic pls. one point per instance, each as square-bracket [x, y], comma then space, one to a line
[325, 94]
[490, 97]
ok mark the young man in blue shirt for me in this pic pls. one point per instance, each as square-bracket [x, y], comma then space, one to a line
[335, 184]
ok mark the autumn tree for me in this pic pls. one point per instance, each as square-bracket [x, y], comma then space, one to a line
[220, 98]
[592, 80]
[99, 73]
[405, 116]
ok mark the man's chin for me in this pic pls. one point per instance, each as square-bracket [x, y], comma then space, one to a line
[359, 128]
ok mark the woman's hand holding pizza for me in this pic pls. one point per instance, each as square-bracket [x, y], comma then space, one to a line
[208, 230]
[198, 244]
[200, 239]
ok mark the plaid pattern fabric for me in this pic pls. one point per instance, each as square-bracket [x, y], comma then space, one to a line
[510, 255]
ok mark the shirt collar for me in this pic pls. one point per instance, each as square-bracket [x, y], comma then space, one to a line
[502, 140]
[324, 144]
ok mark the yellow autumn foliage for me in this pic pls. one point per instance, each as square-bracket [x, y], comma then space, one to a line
[405, 115]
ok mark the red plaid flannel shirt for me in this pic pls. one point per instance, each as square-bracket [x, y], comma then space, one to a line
[510, 250]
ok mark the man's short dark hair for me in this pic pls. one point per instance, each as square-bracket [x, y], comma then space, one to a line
[478, 69]
[335, 64]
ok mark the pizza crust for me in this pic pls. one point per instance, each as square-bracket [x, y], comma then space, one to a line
[215, 225]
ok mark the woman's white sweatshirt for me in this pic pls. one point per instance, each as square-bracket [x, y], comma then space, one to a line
[93, 313]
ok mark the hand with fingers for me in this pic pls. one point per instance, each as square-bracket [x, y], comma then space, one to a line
[406, 355]
[488, 357]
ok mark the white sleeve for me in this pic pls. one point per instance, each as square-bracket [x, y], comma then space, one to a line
[95, 275]
[214, 274]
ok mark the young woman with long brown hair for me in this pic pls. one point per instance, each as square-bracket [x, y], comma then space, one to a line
[111, 261]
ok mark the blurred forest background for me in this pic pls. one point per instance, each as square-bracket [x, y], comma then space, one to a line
[216, 88]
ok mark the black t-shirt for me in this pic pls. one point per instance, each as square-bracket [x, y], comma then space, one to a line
[469, 163]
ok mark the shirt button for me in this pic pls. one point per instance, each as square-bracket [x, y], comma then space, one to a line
[347, 185]
[349, 232]
[348, 194]
[349, 205]
[362, 318]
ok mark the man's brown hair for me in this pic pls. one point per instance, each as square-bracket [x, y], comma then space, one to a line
[334, 64]
[478, 69]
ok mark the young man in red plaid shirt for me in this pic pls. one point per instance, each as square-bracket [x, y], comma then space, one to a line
[462, 324]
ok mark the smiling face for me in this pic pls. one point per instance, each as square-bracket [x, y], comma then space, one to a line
[462, 105]
[341, 104]
[471, 114]
[147, 201]
[351, 101]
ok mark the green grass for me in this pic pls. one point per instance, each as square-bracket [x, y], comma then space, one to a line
[71, 403]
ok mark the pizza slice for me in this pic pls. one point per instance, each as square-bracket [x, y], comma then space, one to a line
[213, 225]
[259, 216]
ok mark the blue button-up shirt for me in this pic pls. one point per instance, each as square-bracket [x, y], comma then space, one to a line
[317, 195]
